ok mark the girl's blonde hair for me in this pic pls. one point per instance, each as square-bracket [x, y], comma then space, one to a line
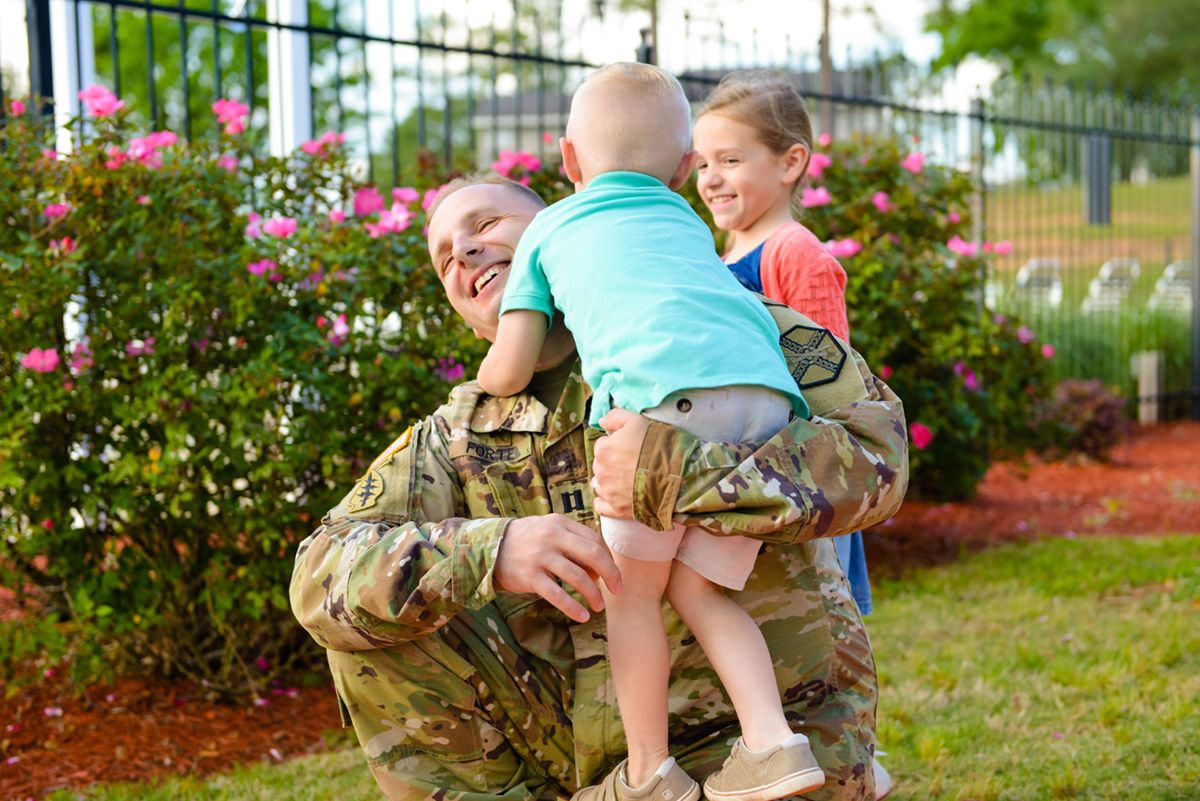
[770, 105]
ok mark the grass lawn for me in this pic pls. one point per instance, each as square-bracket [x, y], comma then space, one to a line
[1064, 669]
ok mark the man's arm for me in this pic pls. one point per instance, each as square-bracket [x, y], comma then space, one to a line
[845, 469]
[379, 571]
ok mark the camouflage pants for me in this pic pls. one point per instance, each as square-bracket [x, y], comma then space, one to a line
[464, 715]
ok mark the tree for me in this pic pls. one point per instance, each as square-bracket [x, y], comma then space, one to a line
[1127, 45]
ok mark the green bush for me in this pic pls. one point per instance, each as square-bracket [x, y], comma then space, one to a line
[219, 381]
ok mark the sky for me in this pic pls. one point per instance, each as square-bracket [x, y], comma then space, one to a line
[615, 37]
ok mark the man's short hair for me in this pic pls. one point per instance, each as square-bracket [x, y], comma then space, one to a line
[482, 177]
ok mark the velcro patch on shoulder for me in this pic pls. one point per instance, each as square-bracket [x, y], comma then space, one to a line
[400, 443]
[813, 354]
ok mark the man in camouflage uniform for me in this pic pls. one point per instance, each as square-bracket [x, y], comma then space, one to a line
[447, 584]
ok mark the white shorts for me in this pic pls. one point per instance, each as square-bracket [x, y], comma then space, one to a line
[723, 414]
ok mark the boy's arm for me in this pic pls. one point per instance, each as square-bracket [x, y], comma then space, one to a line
[510, 361]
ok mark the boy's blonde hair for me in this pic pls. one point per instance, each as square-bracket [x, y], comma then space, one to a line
[770, 105]
[630, 116]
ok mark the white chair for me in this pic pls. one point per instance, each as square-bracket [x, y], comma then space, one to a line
[1039, 283]
[1109, 290]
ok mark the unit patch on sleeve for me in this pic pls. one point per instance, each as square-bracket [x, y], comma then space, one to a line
[813, 354]
[365, 493]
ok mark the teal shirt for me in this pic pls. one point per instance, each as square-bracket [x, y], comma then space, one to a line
[652, 307]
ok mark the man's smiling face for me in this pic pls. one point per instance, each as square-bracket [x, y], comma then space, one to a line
[472, 237]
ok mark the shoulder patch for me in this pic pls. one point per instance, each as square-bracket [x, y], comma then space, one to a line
[399, 444]
[365, 493]
[813, 354]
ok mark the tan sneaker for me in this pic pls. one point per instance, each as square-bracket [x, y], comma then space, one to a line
[786, 770]
[670, 783]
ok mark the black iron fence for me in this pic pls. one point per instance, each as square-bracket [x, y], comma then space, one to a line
[1092, 200]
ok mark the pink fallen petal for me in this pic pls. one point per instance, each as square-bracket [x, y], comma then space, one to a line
[53, 712]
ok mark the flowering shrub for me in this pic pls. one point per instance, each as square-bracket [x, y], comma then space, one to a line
[970, 380]
[202, 350]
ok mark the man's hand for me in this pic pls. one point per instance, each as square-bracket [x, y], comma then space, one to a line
[537, 552]
[616, 461]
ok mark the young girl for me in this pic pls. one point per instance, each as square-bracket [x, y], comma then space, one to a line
[754, 140]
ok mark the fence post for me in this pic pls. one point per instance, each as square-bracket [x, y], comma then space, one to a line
[41, 64]
[1196, 264]
[978, 195]
[288, 77]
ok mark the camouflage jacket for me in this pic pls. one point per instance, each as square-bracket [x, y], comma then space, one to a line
[403, 566]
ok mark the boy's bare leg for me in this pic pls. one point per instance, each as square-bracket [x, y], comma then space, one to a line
[637, 647]
[734, 645]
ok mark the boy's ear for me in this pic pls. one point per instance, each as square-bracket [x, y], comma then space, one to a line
[795, 162]
[683, 170]
[570, 160]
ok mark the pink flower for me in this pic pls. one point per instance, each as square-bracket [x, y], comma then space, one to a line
[261, 267]
[960, 246]
[824, 140]
[894, 238]
[843, 248]
[1002, 248]
[367, 201]
[16, 107]
[81, 358]
[885, 372]
[50, 154]
[449, 370]
[262, 664]
[430, 197]
[817, 163]
[882, 202]
[971, 381]
[144, 200]
[392, 221]
[337, 335]
[53, 712]
[511, 159]
[999, 319]
[48, 524]
[137, 347]
[914, 162]
[41, 360]
[1024, 335]
[406, 195]
[1048, 351]
[958, 368]
[323, 145]
[548, 137]
[253, 226]
[100, 101]
[229, 110]
[235, 127]
[228, 163]
[811, 198]
[65, 246]
[337, 215]
[281, 227]
[920, 435]
[56, 210]
[261, 702]
[954, 217]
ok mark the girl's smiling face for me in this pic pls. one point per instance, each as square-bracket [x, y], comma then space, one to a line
[740, 179]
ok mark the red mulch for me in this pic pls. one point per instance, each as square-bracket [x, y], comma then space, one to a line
[1150, 485]
[139, 730]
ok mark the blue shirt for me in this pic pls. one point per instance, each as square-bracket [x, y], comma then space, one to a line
[652, 307]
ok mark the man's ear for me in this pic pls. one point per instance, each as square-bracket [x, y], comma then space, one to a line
[684, 170]
[570, 160]
[795, 162]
